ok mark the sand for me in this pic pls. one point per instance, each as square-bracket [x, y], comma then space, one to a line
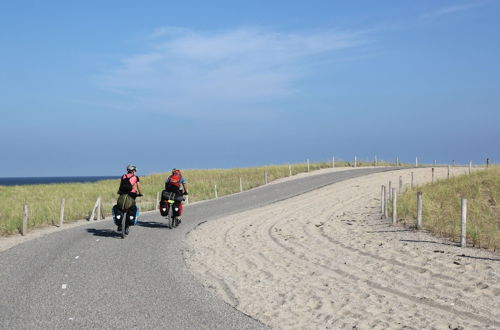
[326, 260]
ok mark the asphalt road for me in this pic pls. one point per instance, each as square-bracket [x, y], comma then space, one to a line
[88, 277]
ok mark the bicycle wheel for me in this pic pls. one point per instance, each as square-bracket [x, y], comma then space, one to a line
[124, 218]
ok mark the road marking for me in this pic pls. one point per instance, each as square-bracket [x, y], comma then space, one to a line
[64, 286]
[77, 257]
[97, 240]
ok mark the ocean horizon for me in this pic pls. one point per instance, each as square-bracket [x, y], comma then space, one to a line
[22, 181]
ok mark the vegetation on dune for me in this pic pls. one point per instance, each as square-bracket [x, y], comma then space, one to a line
[442, 207]
[44, 201]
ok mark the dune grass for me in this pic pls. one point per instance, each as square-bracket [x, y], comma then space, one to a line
[442, 207]
[44, 200]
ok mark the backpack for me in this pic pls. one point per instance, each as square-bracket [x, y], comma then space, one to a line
[125, 185]
[175, 179]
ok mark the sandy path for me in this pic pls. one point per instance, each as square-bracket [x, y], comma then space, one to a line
[325, 259]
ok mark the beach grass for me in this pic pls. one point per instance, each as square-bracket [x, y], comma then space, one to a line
[442, 207]
[44, 201]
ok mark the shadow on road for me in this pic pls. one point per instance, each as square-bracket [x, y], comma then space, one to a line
[103, 232]
[152, 224]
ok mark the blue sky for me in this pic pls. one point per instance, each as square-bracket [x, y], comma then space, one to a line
[87, 87]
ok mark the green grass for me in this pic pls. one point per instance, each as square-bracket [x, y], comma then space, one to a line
[44, 200]
[442, 207]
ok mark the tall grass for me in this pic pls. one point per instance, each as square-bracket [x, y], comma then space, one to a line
[442, 207]
[44, 200]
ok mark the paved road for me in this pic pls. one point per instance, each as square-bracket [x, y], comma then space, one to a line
[88, 277]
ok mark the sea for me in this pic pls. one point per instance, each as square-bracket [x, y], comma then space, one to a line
[21, 181]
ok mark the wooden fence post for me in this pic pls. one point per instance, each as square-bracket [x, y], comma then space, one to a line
[241, 185]
[92, 214]
[265, 175]
[308, 165]
[470, 167]
[448, 171]
[390, 190]
[419, 210]
[157, 200]
[61, 214]
[333, 162]
[433, 175]
[382, 199]
[386, 203]
[394, 206]
[215, 189]
[98, 215]
[290, 169]
[463, 242]
[24, 229]
[400, 184]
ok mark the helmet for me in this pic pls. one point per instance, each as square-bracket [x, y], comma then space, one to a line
[175, 170]
[131, 168]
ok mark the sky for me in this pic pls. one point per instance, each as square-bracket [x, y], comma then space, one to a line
[87, 87]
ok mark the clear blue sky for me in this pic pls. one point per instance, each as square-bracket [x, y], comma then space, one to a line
[87, 87]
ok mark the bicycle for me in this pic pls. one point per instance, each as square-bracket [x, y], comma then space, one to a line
[169, 208]
[125, 217]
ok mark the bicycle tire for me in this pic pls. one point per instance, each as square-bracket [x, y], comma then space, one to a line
[122, 233]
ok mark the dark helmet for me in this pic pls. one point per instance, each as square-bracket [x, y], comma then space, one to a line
[176, 170]
[131, 168]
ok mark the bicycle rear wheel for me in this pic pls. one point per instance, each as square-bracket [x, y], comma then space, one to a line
[122, 233]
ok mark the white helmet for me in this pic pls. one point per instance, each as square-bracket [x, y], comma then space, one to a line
[131, 168]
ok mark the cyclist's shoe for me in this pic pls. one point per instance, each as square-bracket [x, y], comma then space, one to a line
[178, 221]
[119, 228]
[127, 230]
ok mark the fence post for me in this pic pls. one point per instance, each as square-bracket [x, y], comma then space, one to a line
[470, 166]
[382, 199]
[397, 161]
[308, 165]
[386, 203]
[157, 200]
[92, 215]
[433, 175]
[265, 176]
[448, 171]
[215, 189]
[241, 185]
[416, 161]
[394, 206]
[390, 190]
[376, 161]
[411, 184]
[355, 161]
[98, 215]
[333, 162]
[400, 184]
[61, 214]
[290, 169]
[24, 229]
[463, 242]
[419, 210]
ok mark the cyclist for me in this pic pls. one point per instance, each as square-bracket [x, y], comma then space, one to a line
[129, 187]
[177, 184]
